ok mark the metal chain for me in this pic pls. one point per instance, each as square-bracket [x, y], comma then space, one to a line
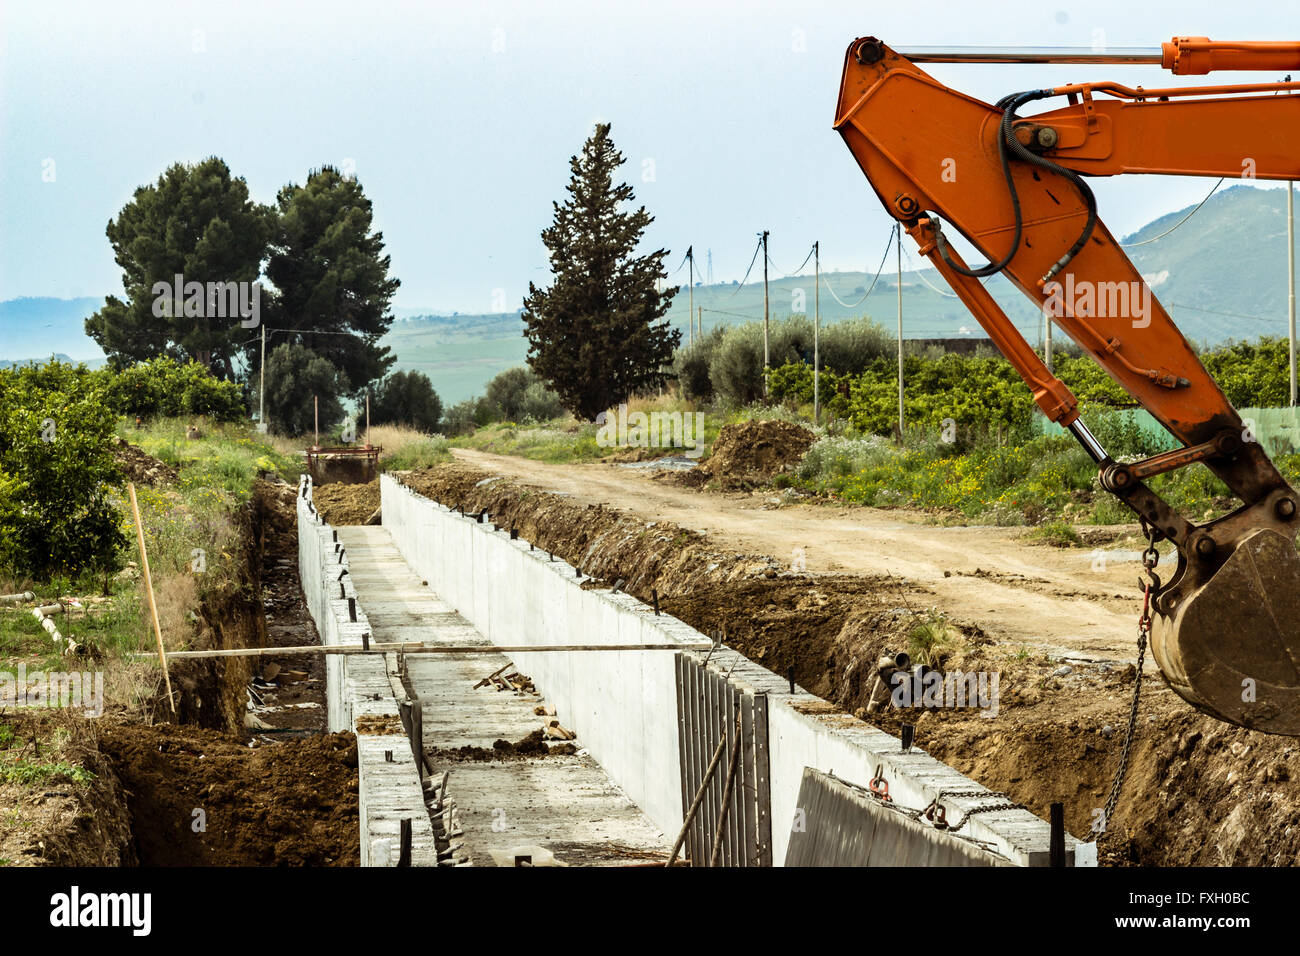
[1150, 587]
[991, 808]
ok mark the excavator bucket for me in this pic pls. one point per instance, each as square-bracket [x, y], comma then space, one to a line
[1231, 646]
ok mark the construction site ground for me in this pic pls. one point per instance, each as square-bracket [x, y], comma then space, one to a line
[821, 591]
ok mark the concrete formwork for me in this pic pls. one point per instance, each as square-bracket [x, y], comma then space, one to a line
[359, 687]
[624, 705]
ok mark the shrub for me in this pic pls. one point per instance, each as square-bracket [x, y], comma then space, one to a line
[56, 473]
[164, 387]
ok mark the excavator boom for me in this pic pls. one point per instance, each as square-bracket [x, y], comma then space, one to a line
[1226, 633]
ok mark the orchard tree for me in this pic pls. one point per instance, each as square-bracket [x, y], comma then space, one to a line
[57, 472]
[198, 222]
[406, 398]
[598, 334]
[331, 277]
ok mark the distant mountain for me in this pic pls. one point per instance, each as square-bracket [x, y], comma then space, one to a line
[41, 327]
[1221, 274]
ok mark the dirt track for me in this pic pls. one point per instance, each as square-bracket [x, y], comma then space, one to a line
[1021, 591]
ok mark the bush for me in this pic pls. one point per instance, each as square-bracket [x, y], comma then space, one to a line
[406, 398]
[164, 387]
[691, 365]
[517, 394]
[56, 473]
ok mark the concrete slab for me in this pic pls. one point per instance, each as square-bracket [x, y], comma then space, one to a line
[566, 805]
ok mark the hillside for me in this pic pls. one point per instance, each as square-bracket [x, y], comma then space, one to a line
[1222, 275]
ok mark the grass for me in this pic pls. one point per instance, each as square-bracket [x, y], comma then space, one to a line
[932, 639]
[29, 760]
[1059, 534]
[408, 448]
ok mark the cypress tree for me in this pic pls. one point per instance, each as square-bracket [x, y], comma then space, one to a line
[598, 334]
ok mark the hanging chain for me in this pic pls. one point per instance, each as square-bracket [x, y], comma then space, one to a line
[1150, 587]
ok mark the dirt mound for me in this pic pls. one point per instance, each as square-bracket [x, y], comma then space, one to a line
[751, 453]
[141, 467]
[288, 804]
[341, 504]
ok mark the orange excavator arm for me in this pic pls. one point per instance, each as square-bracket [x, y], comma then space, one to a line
[1014, 187]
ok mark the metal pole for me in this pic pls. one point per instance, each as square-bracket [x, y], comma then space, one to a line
[1047, 340]
[315, 404]
[261, 385]
[1290, 275]
[367, 418]
[817, 321]
[765, 315]
[690, 255]
[1032, 54]
[898, 235]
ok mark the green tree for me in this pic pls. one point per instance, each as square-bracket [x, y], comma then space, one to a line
[598, 334]
[297, 380]
[406, 398]
[198, 222]
[331, 276]
[56, 473]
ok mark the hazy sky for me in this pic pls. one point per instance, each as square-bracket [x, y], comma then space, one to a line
[459, 118]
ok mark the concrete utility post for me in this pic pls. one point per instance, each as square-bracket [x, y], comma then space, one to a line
[1290, 275]
[261, 386]
[817, 321]
[765, 313]
[898, 235]
[690, 256]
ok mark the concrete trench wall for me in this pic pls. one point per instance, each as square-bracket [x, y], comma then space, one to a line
[623, 706]
[361, 686]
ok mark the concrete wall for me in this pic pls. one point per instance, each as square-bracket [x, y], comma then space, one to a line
[361, 686]
[623, 706]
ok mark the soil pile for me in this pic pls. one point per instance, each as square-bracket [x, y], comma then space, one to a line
[341, 504]
[750, 453]
[288, 804]
[141, 467]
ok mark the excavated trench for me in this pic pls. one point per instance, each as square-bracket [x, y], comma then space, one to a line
[201, 788]
[1198, 792]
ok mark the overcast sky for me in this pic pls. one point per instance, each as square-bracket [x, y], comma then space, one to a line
[459, 118]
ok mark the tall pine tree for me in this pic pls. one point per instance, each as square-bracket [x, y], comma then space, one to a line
[598, 334]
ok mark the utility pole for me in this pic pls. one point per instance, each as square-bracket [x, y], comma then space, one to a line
[817, 321]
[1047, 339]
[690, 256]
[898, 234]
[765, 313]
[1290, 275]
[261, 384]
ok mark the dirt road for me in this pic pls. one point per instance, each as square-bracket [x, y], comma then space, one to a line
[1073, 601]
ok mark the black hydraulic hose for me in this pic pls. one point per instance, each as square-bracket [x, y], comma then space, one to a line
[1007, 143]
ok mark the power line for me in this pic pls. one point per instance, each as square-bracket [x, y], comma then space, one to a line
[873, 281]
[788, 275]
[1130, 245]
[758, 246]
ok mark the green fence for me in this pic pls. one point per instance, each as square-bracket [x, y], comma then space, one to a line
[1277, 428]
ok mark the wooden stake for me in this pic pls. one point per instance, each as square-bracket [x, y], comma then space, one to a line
[148, 586]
